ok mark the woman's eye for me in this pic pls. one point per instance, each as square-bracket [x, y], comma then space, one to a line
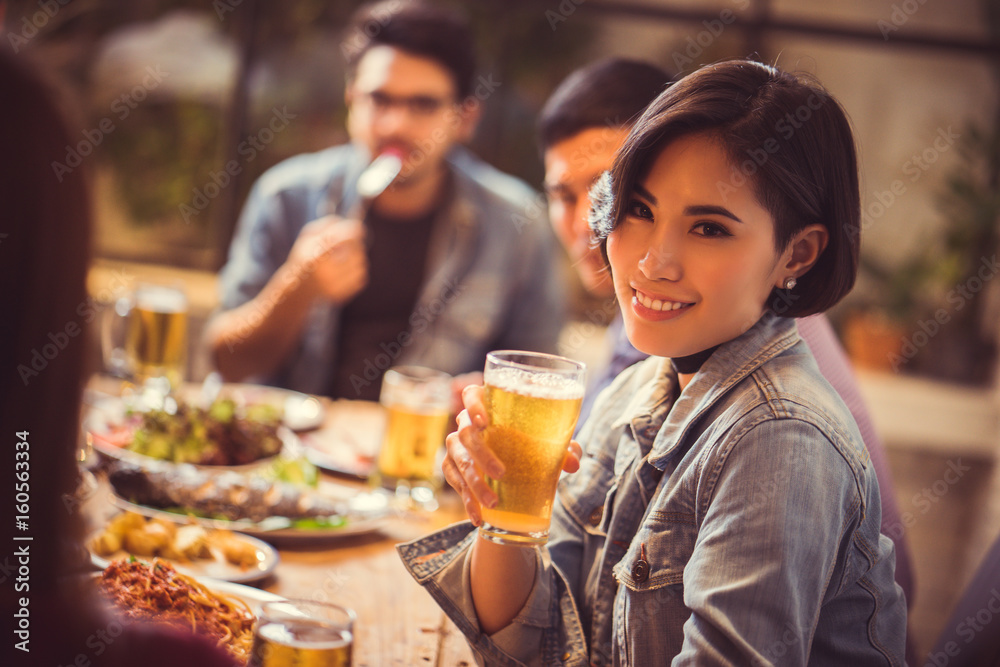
[711, 229]
[639, 210]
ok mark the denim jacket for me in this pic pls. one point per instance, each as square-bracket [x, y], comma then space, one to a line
[735, 525]
[491, 279]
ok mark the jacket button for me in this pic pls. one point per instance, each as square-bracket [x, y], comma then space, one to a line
[640, 571]
[596, 515]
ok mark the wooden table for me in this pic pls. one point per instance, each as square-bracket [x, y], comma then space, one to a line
[398, 622]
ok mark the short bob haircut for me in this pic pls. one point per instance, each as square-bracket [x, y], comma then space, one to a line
[786, 137]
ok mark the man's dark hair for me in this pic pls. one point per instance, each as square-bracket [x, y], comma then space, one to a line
[419, 29]
[608, 93]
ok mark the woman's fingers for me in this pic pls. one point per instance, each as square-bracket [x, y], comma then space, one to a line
[574, 452]
[474, 398]
[454, 478]
[469, 454]
[471, 431]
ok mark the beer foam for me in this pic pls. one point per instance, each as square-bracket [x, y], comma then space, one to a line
[537, 385]
[160, 299]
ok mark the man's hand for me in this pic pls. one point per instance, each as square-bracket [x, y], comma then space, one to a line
[329, 254]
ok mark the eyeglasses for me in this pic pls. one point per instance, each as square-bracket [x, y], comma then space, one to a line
[421, 106]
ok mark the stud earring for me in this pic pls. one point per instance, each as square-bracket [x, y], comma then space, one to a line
[790, 283]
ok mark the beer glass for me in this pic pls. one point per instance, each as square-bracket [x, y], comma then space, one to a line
[155, 337]
[417, 401]
[532, 401]
[290, 633]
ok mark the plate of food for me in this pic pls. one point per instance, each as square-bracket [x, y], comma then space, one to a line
[222, 433]
[193, 549]
[213, 424]
[155, 591]
[271, 510]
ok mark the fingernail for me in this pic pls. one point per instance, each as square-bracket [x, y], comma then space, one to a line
[492, 502]
[480, 421]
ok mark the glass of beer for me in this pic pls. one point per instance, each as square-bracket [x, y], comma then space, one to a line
[417, 401]
[156, 335]
[292, 633]
[532, 401]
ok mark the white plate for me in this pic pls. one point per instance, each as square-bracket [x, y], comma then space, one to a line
[254, 597]
[368, 513]
[217, 567]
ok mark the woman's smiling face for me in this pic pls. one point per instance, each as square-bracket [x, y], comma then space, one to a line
[693, 259]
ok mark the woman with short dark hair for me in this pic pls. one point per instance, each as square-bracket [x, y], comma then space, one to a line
[725, 511]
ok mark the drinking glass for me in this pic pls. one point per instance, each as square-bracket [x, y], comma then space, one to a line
[417, 401]
[533, 402]
[290, 633]
[155, 319]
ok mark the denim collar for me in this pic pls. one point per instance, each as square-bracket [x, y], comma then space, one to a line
[660, 424]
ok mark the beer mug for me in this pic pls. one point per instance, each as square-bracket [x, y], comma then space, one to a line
[155, 322]
[417, 401]
[533, 402]
[303, 632]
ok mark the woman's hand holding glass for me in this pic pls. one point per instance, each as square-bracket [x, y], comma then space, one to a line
[468, 457]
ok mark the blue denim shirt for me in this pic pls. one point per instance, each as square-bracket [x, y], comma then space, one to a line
[491, 278]
[735, 525]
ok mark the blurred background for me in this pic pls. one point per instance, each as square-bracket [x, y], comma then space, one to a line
[165, 93]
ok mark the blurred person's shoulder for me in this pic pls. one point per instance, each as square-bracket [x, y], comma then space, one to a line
[308, 171]
[512, 198]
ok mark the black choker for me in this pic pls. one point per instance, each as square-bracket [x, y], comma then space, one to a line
[692, 362]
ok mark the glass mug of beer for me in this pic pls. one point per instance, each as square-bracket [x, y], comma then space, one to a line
[155, 319]
[533, 402]
[417, 401]
[290, 633]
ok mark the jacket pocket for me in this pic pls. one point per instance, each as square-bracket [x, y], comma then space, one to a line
[651, 578]
[659, 552]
